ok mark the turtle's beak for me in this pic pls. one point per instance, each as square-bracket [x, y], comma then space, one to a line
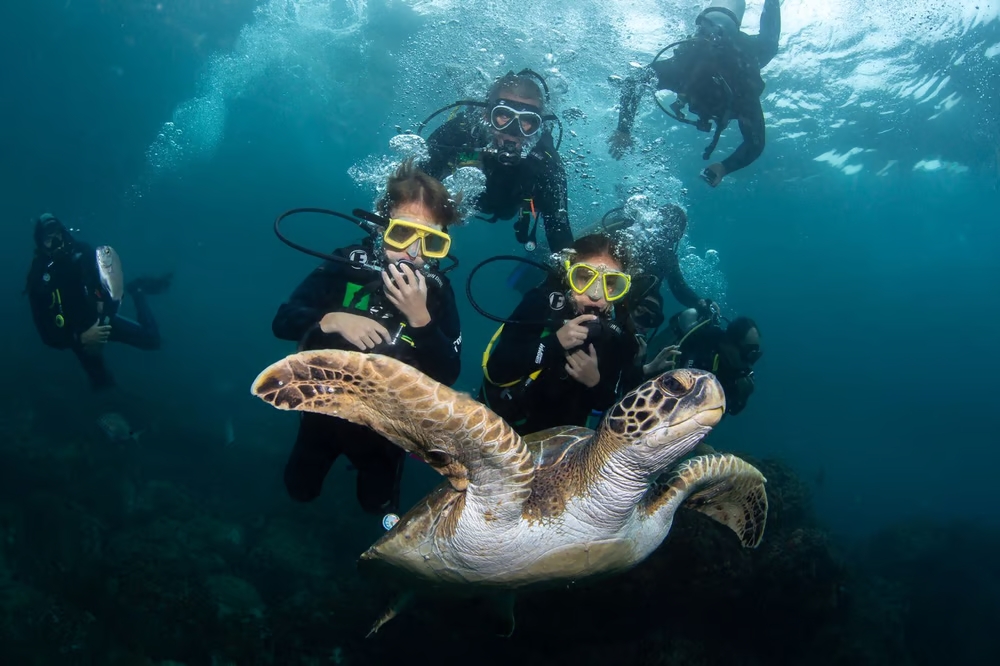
[710, 400]
[710, 418]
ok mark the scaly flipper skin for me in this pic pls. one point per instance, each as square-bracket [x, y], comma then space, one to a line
[721, 486]
[459, 437]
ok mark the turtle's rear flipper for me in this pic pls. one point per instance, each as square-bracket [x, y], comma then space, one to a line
[721, 486]
[397, 606]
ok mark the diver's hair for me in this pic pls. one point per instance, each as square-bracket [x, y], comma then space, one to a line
[594, 245]
[516, 84]
[738, 329]
[409, 185]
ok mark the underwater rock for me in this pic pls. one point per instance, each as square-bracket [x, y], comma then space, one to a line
[947, 583]
[63, 544]
[289, 553]
[235, 597]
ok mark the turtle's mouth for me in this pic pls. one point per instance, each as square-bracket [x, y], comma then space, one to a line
[681, 432]
[709, 418]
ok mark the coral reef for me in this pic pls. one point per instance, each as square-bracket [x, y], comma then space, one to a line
[116, 556]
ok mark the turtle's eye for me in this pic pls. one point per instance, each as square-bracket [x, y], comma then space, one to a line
[437, 458]
[674, 385]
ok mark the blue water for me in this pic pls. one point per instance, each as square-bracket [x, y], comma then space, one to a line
[864, 241]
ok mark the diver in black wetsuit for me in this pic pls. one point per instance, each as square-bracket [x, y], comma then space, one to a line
[397, 312]
[72, 309]
[664, 265]
[574, 354]
[717, 75]
[728, 353]
[525, 178]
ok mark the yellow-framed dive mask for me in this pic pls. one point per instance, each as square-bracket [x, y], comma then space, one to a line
[583, 280]
[400, 235]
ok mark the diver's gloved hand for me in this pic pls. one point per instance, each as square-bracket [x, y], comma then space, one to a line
[574, 333]
[713, 174]
[407, 290]
[582, 366]
[665, 360]
[620, 143]
[362, 332]
[95, 337]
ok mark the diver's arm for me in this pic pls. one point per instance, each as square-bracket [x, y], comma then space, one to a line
[41, 296]
[632, 89]
[439, 343]
[770, 32]
[305, 307]
[737, 393]
[674, 221]
[679, 287]
[518, 347]
[444, 145]
[552, 203]
[752, 128]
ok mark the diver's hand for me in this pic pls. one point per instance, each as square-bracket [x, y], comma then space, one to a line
[665, 360]
[573, 333]
[620, 143]
[582, 366]
[407, 290]
[708, 309]
[95, 337]
[643, 346]
[362, 332]
[714, 173]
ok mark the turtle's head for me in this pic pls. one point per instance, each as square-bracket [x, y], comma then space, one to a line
[662, 420]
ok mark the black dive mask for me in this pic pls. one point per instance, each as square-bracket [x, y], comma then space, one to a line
[741, 357]
[58, 245]
[750, 354]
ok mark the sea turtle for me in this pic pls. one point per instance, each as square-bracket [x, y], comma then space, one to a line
[561, 505]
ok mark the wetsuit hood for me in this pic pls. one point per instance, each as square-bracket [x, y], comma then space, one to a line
[47, 224]
[723, 15]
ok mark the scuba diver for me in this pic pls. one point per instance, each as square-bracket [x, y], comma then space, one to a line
[507, 139]
[75, 292]
[382, 296]
[716, 74]
[694, 341]
[663, 265]
[568, 349]
[645, 301]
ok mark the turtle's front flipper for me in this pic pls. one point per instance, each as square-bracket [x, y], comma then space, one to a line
[721, 486]
[459, 437]
[397, 606]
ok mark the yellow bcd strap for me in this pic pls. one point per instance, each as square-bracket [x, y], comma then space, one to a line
[486, 357]
[57, 301]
